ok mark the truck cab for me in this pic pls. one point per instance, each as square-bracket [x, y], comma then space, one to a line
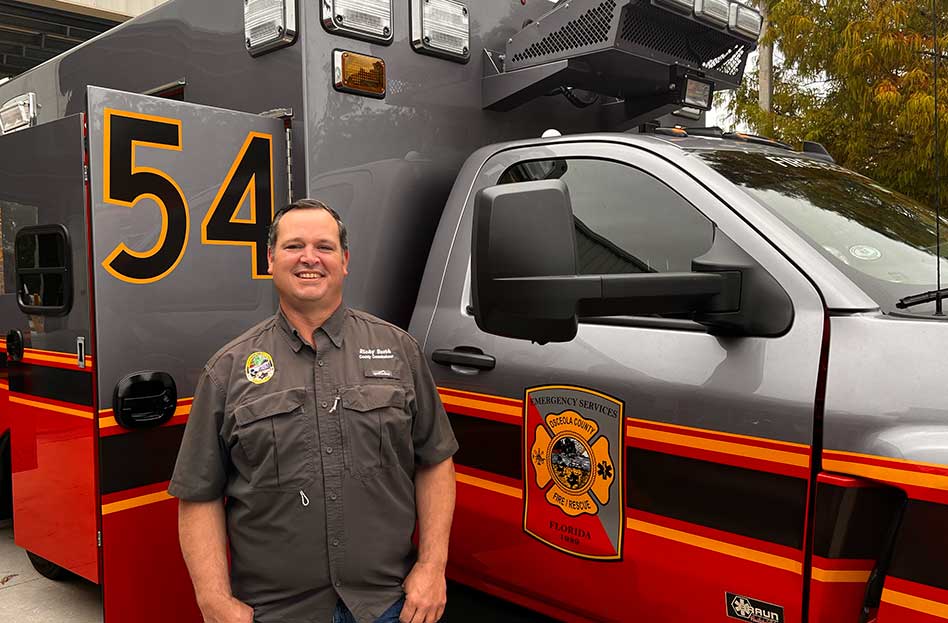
[734, 424]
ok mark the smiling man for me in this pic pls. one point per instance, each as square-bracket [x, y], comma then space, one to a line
[315, 441]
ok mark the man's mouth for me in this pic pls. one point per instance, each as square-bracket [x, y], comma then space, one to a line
[310, 275]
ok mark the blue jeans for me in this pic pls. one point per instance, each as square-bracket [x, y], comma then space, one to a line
[342, 614]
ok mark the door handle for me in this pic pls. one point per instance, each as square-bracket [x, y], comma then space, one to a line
[464, 356]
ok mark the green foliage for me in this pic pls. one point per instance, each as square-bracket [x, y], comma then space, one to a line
[857, 76]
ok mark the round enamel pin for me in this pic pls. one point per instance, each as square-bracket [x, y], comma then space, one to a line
[259, 368]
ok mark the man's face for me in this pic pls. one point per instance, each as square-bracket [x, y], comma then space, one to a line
[307, 261]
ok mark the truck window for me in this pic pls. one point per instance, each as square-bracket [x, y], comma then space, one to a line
[883, 241]
[43, 276]
[626, 220]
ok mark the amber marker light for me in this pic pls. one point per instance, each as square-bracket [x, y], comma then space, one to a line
[359, 74]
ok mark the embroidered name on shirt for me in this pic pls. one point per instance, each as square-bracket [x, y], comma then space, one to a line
[376, 353]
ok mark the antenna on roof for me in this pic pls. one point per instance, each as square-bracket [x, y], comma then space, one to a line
[938, 306]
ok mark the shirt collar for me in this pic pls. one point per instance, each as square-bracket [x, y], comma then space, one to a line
[334, 324]
[292, 335]
[332, 328]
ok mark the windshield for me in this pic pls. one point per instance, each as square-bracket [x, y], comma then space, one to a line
[883, 241]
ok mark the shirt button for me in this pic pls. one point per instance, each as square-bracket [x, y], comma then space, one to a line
[338, 583]
[335, 542]
[328, 449]
[332, 496]
[325, 404]
[320, 363]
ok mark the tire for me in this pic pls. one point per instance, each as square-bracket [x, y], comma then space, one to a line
[48, 569]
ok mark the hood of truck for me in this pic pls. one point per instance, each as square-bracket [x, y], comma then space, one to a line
[885, 388]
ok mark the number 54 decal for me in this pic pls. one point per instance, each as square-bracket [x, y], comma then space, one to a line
[125, 184]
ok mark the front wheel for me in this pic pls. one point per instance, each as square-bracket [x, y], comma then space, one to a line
[48, 569]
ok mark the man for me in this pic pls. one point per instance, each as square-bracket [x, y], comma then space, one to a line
[314, 442]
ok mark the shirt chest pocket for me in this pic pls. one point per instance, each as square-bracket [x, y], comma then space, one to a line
[276, 435]
[376, 427]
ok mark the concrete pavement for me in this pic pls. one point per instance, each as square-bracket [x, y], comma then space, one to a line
[28, 597]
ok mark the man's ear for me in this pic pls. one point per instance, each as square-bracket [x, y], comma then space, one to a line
[269, 260]
[345, 262]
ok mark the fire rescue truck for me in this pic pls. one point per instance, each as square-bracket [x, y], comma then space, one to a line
[694, 375]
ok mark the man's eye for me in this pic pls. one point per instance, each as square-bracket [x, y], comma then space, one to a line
[326, 248]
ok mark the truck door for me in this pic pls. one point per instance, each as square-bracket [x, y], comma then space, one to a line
[44, 316]
[645, 470]
[182, 200]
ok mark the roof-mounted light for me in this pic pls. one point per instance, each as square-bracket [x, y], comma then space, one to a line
[18, 113]
[697, 93]
[441, 28]
[682, 6]
[269, 24]
[714, 12]
[745, 21]
[361, 19]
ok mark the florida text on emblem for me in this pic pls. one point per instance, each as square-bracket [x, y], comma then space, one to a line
[574, 483]
[259, 368]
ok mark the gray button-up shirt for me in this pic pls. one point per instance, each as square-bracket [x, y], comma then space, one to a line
[315, 450]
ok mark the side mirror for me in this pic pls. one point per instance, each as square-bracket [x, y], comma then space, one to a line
[524, 270]
[526, 286]
[524, 230]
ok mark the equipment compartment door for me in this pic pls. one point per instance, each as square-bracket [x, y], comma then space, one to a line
[182, 199]
[50, 403]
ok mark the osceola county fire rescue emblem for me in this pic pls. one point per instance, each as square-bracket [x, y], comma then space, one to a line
[259, 368]
[574, 489]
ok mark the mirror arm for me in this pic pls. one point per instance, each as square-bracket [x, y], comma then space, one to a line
[649, 285]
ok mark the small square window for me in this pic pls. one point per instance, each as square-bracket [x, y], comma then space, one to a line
[43, 270]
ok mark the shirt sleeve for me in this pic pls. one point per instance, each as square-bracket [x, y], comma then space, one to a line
[431, 433]
[200, 473]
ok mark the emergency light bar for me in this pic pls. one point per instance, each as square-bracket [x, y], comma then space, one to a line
[739, 18]
[744, 20]
[269, 24]
[654, 56]
[18, 113]
[441, 28]
[360, 19]
[713, 11]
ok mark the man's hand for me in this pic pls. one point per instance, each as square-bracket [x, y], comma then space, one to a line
[226, 610]
[426, 594]
[203, 537]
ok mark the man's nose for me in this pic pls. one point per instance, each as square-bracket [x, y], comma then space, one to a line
[309, 257]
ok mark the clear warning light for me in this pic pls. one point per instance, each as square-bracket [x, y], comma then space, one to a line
[364, 19]
[359, 74]
[269, 24]
[744, 20]
[442, 28]
[713, 11]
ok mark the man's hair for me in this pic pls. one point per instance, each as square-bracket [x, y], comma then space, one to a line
[308, 204]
